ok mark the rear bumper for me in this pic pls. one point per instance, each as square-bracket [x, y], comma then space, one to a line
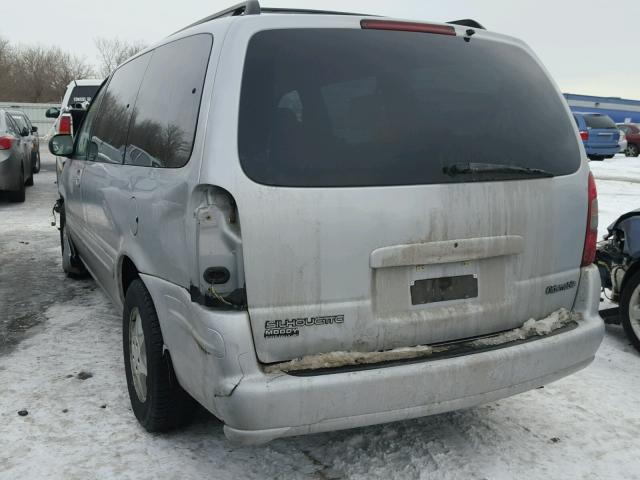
[258, 407]
[602, 149]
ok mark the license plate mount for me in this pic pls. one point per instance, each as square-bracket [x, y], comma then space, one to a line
[444, 289]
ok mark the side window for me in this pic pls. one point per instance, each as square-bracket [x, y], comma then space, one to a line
[19, 120]
[166, 111]
[83, 150]
[12, 126]
[111, 126]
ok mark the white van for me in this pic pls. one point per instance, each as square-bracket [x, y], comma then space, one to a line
[315, 221]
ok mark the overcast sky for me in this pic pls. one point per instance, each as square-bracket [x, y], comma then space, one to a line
[590, 46]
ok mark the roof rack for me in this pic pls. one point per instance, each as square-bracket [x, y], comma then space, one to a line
[467, 22]
[320, 12]
[250, 7]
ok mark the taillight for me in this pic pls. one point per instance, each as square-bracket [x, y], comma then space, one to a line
[65, 125]
[408, 27]
[591, 237]
[6, 142]
[584, 135]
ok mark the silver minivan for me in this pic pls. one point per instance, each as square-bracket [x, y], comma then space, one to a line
[314, 221]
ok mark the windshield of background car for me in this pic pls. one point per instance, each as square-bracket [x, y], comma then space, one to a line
[82, 93]
[347, 107]
[599, 121]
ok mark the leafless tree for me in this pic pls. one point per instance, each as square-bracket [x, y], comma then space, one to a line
[113, 51]
[6, 69]
[36, 73]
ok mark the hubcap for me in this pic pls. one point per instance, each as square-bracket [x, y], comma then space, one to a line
[634, 311]
[138, 354]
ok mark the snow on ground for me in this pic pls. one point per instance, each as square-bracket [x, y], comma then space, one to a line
[65, 368]
[618, 184]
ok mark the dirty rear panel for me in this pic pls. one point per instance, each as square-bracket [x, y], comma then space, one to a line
[356, 233]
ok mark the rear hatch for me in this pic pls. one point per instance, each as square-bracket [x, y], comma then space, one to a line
[603, 132]
[400, 192]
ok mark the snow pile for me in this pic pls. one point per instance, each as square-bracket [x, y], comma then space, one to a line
[341, 359]
[532, 327]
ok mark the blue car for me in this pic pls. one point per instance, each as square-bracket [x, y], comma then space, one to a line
[599, 135]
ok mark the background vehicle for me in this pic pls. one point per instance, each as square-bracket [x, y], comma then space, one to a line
[599, 135]
[622, 143]
[75, 102]
[632, 134]
[16, 170]
[76, 98]
[322, 250]
[618, 259]
[31, 140]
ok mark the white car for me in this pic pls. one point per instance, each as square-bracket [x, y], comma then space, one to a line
[623, 141]
[77, 96]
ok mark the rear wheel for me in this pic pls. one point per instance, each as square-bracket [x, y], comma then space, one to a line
[36, 163]
[158, 401]
[630, 309]
[632, 150]
[595, 157]
[29, 182]
[18, 196]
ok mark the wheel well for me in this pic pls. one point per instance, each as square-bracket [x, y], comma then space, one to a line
[629, 273]
[128, 273]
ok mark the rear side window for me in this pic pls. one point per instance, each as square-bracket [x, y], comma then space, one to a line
[166, 112]
[109, 133]
[599, 121]
[20, 121]
[347, 107]
[12, 126]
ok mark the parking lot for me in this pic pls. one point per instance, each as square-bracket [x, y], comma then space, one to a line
[61, 363]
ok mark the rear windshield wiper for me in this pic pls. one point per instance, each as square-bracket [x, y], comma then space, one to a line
[480, 168]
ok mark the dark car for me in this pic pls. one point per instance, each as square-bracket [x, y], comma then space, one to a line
[632, 132]
[31, 139]
[618, 259]
[599, 135]
[16, 170]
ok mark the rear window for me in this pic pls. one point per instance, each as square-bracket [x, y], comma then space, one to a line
[346, 107]
[599, 121]
[82, 93]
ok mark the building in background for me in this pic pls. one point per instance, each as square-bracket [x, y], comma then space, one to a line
[621, 110]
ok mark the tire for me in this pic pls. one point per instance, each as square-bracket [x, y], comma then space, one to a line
[18, 196]
[36, 163]
[630, 309]
[71, 263]
[158, 401]
[596, 157]
[29, 182]
[632, 150]
[609, 156]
